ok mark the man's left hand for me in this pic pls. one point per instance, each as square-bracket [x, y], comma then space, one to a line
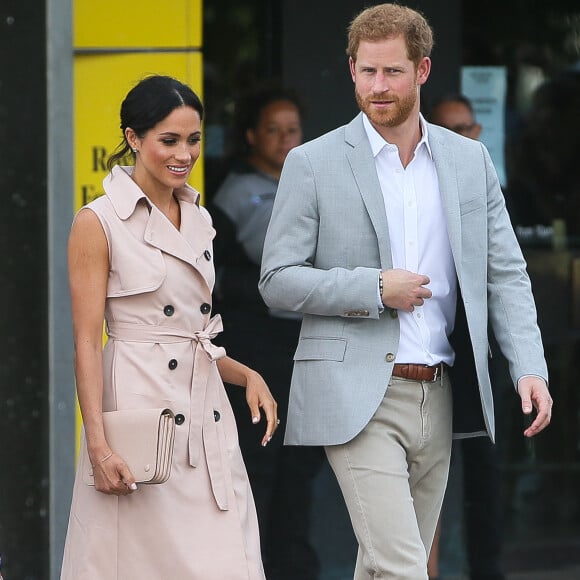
[534, 394]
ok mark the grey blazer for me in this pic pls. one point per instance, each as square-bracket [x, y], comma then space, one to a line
[326, 243]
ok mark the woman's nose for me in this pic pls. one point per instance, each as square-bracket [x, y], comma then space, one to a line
[183, 153]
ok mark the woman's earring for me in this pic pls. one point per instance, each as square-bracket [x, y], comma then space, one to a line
[134, 149]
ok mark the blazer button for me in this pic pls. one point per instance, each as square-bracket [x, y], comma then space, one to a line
[172, 364]
[216, 416]
[394, 313]
[179, 419]
[390, 357]
[207, 255]
[205, 308]
[169, 310]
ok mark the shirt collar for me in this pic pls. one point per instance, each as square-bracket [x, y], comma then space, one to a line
[377, 142]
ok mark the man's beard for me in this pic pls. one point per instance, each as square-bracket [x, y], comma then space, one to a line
[397, 113]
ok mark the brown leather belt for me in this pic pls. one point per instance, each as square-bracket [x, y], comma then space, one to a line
[416, 372]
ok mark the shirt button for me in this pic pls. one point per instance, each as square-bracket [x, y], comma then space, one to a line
[172, 364]
[169, 310]
[390, 357]
[179, 419]
[205, 308]
[207, 255]
[216, 416]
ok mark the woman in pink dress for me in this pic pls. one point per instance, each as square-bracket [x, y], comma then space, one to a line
[141, 257]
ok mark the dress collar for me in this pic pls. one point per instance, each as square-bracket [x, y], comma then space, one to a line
[125, 194]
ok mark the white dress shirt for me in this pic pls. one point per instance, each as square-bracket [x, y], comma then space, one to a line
[420, 244]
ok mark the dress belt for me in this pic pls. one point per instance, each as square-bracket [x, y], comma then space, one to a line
[202, 428]
[416, 372]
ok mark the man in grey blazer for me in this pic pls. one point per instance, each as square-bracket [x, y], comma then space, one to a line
[391, 236]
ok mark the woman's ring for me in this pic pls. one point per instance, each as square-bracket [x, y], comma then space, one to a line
[278, 422]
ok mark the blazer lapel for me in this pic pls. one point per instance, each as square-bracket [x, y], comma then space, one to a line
[362, 164]
[445, 165]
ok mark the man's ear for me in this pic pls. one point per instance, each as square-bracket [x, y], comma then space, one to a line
[352, 66]
[251, 137]
[476, 131]
[423, 70]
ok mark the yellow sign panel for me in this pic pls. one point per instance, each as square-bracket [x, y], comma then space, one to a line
[101, 83]
[116, 45]
[137, 24]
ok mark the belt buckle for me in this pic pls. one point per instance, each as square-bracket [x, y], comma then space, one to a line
[437, 373]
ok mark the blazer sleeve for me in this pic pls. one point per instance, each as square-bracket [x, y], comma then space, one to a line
[294, 274]
[511, 306]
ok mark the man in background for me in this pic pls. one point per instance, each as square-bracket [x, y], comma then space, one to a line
[482, 512]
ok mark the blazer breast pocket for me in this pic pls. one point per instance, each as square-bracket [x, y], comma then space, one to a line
[314, 348]
[472, 205]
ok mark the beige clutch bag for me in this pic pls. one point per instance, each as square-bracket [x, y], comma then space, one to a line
[143, 438]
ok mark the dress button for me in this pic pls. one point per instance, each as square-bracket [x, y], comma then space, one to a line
[216, 416]
[390, 357]
[207, 255]
[205, 308]
[169, 310]
[394, 313]
[172, 364]
[179, 419]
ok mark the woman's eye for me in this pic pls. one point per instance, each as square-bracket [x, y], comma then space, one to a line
[168, 141]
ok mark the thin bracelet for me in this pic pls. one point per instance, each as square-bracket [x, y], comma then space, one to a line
[106, 457]
[381, 285]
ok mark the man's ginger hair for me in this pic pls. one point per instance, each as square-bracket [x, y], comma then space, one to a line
[388, 21]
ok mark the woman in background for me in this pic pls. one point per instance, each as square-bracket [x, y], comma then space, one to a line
[269, 125]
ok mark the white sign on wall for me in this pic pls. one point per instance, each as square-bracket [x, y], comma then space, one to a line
[485, 87]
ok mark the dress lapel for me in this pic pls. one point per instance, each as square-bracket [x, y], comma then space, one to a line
[188, 243]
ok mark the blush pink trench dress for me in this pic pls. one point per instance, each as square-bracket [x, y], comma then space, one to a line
[201, 524]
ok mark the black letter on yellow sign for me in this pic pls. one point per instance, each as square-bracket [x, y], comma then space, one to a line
[99, 159]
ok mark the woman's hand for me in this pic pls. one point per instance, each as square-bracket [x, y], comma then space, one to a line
[258, 396]
[113, 476]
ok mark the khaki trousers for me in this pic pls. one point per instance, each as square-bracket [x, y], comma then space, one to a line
[393, 477]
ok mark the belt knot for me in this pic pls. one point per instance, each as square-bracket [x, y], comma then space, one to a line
[204, 338]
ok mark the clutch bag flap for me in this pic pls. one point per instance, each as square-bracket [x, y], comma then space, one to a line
[143, 438]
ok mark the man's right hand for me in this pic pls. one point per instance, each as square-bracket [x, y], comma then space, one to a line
[403, 290]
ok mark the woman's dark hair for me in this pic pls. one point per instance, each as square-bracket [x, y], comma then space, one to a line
[148, 103]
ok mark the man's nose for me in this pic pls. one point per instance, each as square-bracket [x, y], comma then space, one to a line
[381, 83]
